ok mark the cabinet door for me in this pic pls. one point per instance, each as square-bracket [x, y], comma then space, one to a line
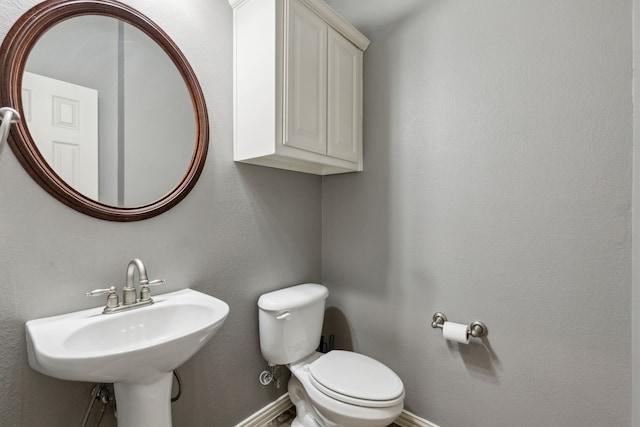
[306, 80]
[344, 98]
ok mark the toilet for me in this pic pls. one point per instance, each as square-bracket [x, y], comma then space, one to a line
[336, 389]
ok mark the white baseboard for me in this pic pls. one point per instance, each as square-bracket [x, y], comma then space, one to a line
[272, 410]
[408, 419]
[268, 413]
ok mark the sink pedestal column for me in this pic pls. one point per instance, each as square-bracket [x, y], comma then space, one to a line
[145, 405]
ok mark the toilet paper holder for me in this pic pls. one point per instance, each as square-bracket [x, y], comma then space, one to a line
[476, 329]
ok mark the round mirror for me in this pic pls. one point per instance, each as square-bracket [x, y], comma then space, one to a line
[114, 122]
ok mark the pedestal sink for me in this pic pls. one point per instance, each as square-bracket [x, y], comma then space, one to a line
[137, 350]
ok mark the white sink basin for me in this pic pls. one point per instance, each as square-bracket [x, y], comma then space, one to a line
[128, 346]
[141, 346]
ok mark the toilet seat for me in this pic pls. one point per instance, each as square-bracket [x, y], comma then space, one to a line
[356, 379]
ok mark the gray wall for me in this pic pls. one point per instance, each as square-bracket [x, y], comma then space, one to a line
[497, 186]
[159, 131]
[242, 231]
[636, 223]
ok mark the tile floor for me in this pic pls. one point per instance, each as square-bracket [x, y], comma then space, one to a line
[284, 419]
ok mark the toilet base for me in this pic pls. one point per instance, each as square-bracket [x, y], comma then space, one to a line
[308, 414]
[297, 423]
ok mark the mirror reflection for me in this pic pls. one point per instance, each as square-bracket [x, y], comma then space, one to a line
[109, 111]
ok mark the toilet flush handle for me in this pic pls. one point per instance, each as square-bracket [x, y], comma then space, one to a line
[284, 316]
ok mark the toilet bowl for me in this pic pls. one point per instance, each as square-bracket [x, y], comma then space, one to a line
[335, 389]
[343, 388]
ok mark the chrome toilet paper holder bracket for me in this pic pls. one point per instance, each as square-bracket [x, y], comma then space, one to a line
[476, 329]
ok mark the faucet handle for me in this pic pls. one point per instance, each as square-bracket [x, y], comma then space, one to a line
[112, 298]
[145, 293]
[96, 292]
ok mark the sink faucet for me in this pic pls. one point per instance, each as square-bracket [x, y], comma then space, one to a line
[129, 298]
[129, 291]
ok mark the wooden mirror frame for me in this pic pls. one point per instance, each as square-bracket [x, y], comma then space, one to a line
[15, 50]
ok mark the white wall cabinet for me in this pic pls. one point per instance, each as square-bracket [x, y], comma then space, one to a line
[297, 86]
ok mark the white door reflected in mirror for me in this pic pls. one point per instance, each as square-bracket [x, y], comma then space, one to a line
[63, 120]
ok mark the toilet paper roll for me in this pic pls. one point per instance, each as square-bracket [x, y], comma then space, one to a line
[455, 332]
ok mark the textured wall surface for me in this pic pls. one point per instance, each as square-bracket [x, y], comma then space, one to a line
[497, 186]
[242, 231]
[636, 221]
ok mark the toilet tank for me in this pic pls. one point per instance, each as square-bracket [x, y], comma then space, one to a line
[290, 322]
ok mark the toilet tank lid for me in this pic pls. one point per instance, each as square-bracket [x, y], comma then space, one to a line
[293, 297]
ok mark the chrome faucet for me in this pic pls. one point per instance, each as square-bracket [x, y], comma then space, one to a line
[129, 291]
[129, 299]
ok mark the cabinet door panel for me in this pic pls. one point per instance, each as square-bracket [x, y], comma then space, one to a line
[306, 80]
[344, 98]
